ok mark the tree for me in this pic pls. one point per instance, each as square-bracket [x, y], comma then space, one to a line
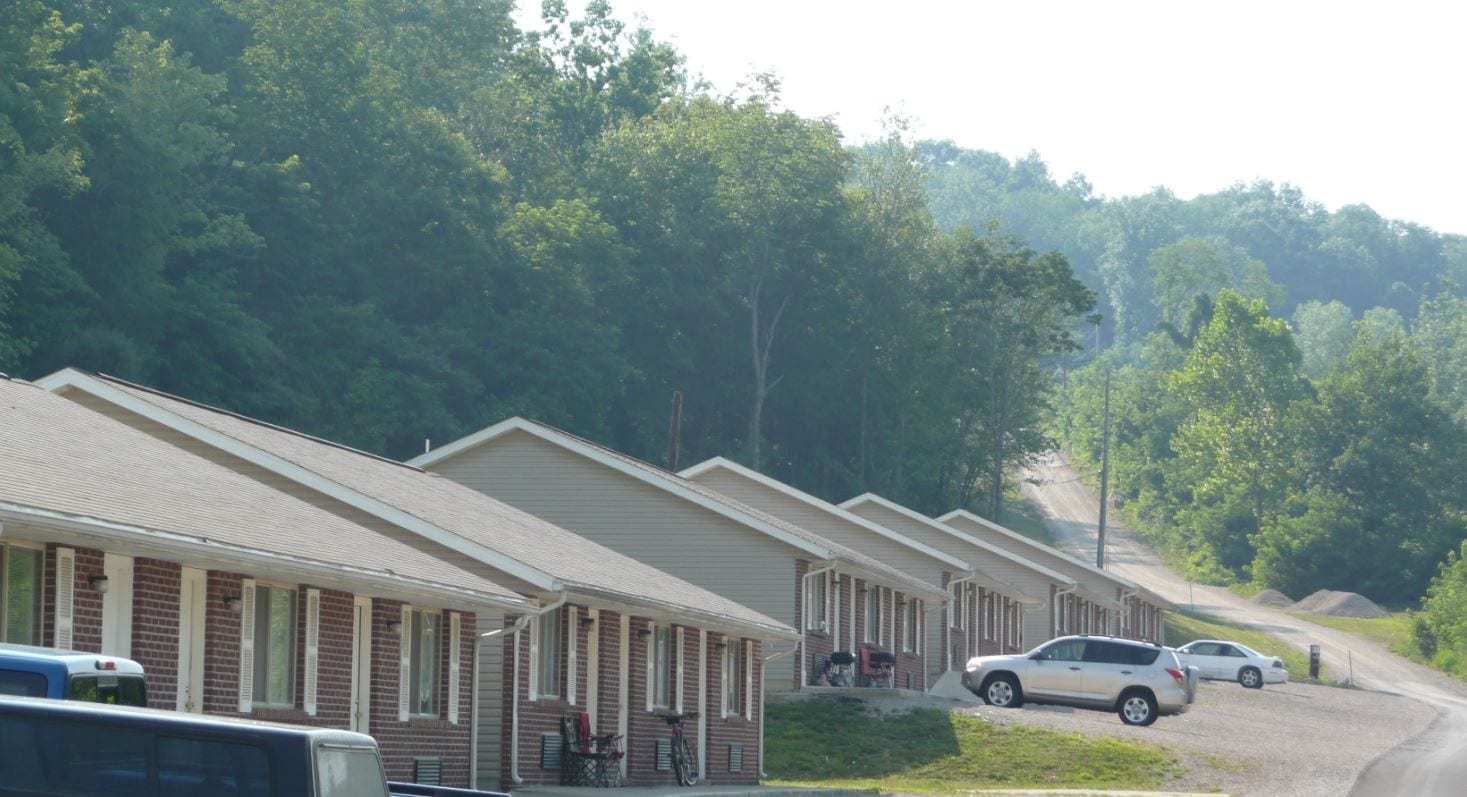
[1323, 333]
[1241, 381]
[1008, 308]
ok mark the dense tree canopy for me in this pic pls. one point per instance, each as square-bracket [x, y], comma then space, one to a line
[390, 221]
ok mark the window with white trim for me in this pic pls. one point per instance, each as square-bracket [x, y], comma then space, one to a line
[21, 580]
[990, 620]
[274, 683]
[873, 614]
[661, 666]
[733, 677]
[426, 638]
[815, 605]
[547, 627]
[910, 612]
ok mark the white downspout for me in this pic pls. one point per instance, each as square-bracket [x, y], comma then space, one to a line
[805, 624]
[764, 667]
[520, 624]
[474, 723]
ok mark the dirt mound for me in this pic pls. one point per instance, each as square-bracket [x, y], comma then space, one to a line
[1272, 597]
[1340, 604]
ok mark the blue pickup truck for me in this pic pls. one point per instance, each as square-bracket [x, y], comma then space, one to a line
[68, 675]
[70, 748]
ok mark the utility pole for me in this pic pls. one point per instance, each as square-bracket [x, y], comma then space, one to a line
[1104, 475]
[674, 430]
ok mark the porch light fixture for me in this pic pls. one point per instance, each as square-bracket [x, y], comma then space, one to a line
[587, 622]
[394, 626]
[721, 646]
[233, 603]
[98, 583]
[643, 634]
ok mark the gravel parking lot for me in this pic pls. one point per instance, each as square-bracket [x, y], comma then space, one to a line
[1293, 740]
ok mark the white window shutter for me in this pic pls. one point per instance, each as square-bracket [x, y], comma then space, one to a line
[651, 657]
[572, 634]
[313, 648]
[535, 657]
[405, 664]
[246, 645]
[65, 596]
[455, 652]
[748, 679]
[679, 669]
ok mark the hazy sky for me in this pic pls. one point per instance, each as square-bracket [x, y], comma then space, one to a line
[1352, 102]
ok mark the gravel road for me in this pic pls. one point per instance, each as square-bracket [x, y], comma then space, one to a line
[1289, 740]
[1408, 760]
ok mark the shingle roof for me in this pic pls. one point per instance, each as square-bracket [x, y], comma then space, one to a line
[658, 477]
[62, 458]
[577, 563]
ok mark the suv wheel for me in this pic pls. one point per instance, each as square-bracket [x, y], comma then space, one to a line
[1003, 691]
[1137, 708]
[1250, 678]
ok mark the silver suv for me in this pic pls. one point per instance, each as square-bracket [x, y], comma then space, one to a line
[1138, 680]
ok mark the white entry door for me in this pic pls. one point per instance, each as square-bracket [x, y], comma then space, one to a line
[361, 665]
[117, 606]
[192, 594]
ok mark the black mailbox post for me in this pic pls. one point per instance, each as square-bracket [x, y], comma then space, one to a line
[1314, 662]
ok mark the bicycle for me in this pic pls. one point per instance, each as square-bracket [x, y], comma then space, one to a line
[684, 760]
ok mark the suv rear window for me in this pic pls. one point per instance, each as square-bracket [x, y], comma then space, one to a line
[121, 690]
[1143, 656]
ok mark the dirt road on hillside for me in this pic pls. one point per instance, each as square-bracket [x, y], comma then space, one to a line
[1432, 763]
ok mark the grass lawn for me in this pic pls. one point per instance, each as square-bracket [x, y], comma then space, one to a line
[1394, 632]
[1183, 627]
[821, 742]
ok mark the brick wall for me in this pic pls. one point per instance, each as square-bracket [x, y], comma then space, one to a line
[908, 663]
[818, 644]
[155, 627]
[401, 741]
[644, 728]
[734, 730]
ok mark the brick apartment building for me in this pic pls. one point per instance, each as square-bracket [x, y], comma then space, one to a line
[704, 537]
[575, 627]
[236, 599]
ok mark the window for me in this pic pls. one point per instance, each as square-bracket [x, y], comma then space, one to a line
[661, 666]
[349, 772]
[20, 594]
[1067, 650]
[191, 766]
[125, 690]
[815, 602]
[23, 684]
[873, 614]
[274, 646]
[427, 634]
[733, 678]
[548, 629]
[988, 616]
[909, 623]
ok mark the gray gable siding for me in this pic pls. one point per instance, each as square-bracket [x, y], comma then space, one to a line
[1053, 560]
[1036, 618]
[638, 520]
[830, 526]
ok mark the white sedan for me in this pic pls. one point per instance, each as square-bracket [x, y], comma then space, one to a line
[1233, 661]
